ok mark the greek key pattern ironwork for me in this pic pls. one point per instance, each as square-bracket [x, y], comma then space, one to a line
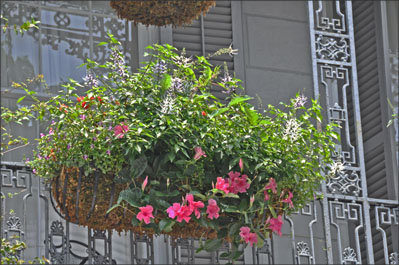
[394, 258]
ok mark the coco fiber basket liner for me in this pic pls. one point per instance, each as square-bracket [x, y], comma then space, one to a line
[161, 13]
[84, 200]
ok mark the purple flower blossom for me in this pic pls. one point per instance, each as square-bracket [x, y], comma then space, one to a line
[94, 138]
[90, 80]
[110, 128]
[52, 122]
[160, 67]
[85, 157]
[177, 84]
[68, 146]
[92, 146]
[82, 117]
[39, 156]
[119, 63]
[51, 131]
[47, 157]
[34, 171]
[108, 152]
[300, 101]
[100, 123]
[41, 135]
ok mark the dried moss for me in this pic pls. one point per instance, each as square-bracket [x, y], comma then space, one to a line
[161, 13]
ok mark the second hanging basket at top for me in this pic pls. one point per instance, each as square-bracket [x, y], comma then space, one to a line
[161, 13]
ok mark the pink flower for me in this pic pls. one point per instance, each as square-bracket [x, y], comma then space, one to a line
[144, 183]
[194, 205]
[120, 130]
[184, 214]
[145, 214]
[51, 131]
[212, 210]
[240, 184]
[288, 200]
[252, 239]
[241, 164]
[267, 197]
[198, 153]
[275, 224]
[237, 183]
[172, 210]
[248, 237]
[271, 185]
[221, 184]
[244, 232]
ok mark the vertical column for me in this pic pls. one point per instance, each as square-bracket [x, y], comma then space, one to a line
[336, 87]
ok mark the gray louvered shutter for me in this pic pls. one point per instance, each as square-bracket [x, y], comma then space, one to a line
[380, 165]
[207, 35]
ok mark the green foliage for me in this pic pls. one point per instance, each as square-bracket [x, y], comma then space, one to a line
[153, 122]
[10, 252]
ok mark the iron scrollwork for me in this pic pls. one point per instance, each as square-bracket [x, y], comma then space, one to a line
[332, 48]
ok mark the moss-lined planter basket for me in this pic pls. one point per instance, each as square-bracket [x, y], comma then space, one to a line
[161, 13]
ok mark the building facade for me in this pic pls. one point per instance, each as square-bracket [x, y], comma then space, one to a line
[345, 53]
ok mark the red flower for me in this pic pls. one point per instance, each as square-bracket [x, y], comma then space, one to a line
[63, 108]
[275, 224]
[221, 184]
[194, 205]
[79, 99]
[203, 113]
[85, 105]
[212, 210]
[145, 214]
[100, 99]
[240, 184]
[91, 98]
[271, 185]
[172, 210]
[184, 214]
[120, 130]
[288, 200]
[198, 153]
[237, 183]
[247, 236]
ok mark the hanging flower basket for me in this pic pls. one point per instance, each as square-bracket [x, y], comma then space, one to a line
[161, 13]
[85, 200]
[155, 152]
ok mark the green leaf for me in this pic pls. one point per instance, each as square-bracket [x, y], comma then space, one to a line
[20, 99]
[138, 166]
[237, 100]
[113, 207]
[234, 229]
[166, 225]
[131, 196]
[102, 43]
[166, 82]
[213, 244]
[243, 205]
[260, 241]
[272, 211]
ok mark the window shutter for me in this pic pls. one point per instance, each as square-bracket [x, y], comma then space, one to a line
[373, 101]
[381, 168]
[208, 34]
